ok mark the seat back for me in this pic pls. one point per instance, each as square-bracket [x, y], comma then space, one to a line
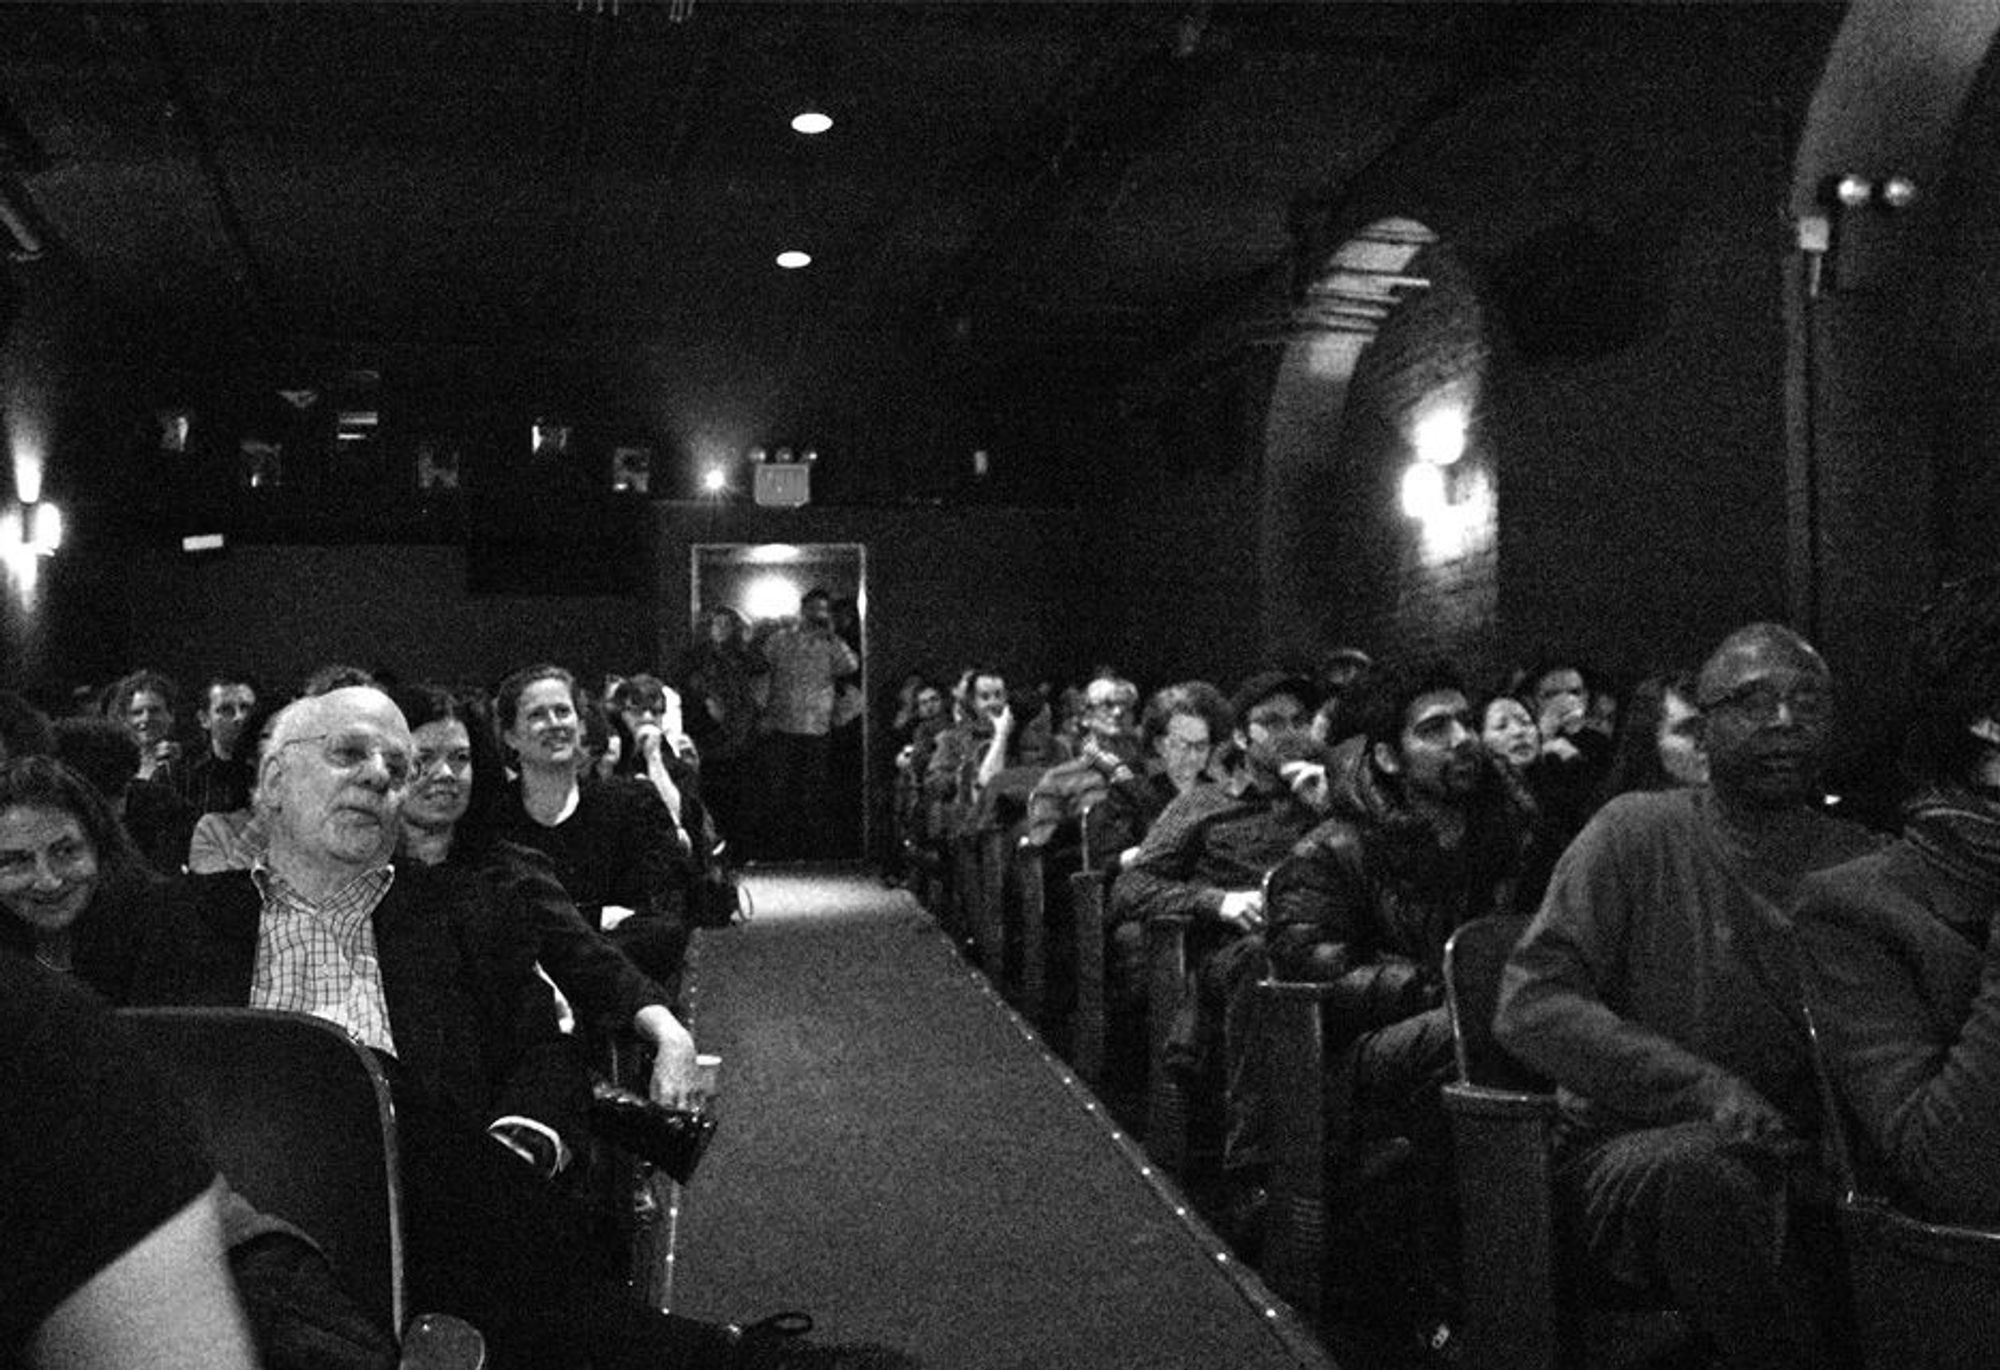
[1473, 960]
[297, 1117]
[1926, 1295]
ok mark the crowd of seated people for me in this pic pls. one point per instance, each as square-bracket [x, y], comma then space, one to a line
[1683, 889]
[1654, 845]
[380, 868]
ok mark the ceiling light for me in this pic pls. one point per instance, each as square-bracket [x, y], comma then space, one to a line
[811, 122]
[715, 480]
[793, 259]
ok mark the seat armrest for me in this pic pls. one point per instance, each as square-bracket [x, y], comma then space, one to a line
[1486, 1101]
[1501, 1152]
[440, 1341]
[1297, 1225]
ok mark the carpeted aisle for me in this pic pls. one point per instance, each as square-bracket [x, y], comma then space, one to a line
[899, 1159]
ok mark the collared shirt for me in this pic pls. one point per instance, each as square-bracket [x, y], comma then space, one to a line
[320, 958]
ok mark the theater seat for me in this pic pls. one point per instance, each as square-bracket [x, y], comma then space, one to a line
[1524, 1306]
[1926, 1295]
[1090, 900]
[1030, 876]
[297, 1117]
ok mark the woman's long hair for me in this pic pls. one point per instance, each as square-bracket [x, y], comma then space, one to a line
[42, 782]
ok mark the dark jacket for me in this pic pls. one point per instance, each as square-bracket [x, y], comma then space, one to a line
[1909, 1007]
[1369, 898]
[474, 1027]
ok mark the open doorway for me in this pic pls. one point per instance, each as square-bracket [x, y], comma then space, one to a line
[795, 787]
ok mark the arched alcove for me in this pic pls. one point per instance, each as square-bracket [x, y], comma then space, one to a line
[1888, 325]
[1388, 341]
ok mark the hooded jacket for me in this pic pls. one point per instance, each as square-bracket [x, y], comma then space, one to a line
[1369, 897]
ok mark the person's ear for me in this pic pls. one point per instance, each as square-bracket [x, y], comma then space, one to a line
[1386, 758]
[1986, 729]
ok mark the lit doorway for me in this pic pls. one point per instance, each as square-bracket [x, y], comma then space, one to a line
[763, 584]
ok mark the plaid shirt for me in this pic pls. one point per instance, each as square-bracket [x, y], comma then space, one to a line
[320, 959]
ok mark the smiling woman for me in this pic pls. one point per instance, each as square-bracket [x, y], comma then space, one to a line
[60, 848]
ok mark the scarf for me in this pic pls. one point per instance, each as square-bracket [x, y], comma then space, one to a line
[1959, 832]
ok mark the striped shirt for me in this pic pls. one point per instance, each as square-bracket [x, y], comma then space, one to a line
[320, 958]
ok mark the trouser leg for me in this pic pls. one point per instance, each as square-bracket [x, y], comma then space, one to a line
[1228, 979]
[489, 1241]
[1673, 1208]
[1392, 1159]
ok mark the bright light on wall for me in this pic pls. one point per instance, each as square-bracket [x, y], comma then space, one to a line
[45, 529]
[793, 259]
[1423, 491]
[770, 596]
[715, 480]
[1439, 437]
[811, 122]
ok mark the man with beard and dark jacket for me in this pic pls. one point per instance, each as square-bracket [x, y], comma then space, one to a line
[1427, 832]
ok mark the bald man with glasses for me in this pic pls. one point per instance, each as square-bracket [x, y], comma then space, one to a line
[1658, 986]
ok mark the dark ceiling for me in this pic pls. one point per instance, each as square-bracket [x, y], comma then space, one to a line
[1020, 203]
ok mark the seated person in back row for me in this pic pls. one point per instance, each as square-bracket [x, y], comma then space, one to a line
[1108, 753]
[1205, 859]
[1905, 966]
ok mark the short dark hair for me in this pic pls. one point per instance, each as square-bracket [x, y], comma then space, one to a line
[428, 702]
[225, 678]
[639, 692]
[336, 676]
[1387, 692]
[100, 750]
[1196, 699]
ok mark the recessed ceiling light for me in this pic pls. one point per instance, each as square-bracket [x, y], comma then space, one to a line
[794, 259]
[811, 121]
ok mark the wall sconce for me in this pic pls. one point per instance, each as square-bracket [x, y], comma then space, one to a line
[1438, 440]
[31, 530]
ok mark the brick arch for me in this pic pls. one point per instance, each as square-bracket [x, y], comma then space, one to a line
[1389, 329]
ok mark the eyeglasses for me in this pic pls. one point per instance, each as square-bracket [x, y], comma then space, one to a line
[1106, 706]
[350, 751]
[1761, 701]
[1185, 746]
